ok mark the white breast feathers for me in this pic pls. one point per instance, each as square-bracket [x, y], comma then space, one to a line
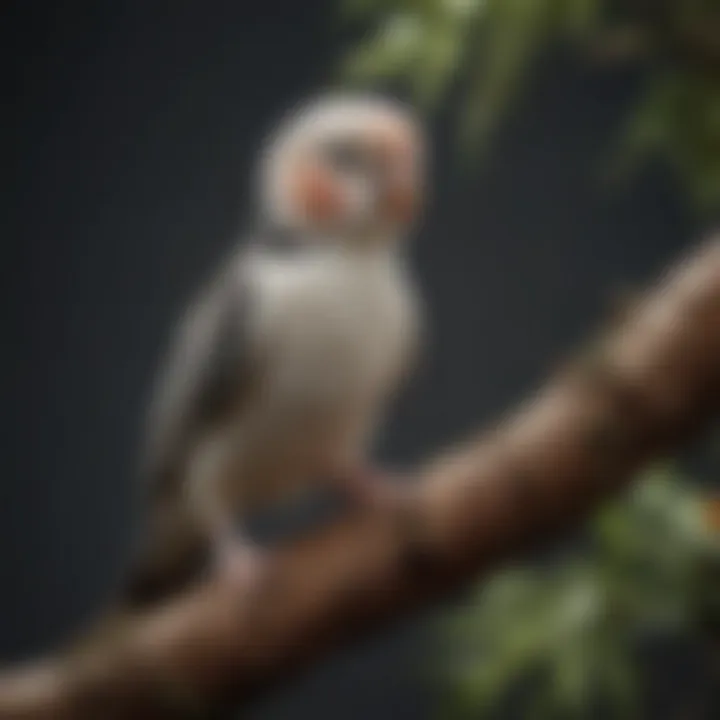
[336, 325]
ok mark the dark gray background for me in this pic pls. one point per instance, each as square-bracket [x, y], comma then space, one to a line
[129, 132]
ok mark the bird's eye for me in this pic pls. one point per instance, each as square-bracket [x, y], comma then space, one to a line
[344, 156]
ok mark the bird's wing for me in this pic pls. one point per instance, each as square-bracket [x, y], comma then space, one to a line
[414, 349]
[211, 366]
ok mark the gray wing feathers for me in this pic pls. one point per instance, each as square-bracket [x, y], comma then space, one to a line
[208, 370]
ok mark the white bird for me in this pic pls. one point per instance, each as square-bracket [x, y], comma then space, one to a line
[280, 373]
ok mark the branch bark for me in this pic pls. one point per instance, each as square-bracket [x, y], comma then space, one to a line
[643, 388]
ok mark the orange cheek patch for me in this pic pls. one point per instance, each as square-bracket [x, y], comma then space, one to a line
[316, 195]
[395, 146]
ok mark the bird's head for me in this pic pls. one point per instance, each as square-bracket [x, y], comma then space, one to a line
[346, 167]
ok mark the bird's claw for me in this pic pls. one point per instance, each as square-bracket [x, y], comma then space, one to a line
[239, 564]
[384, 492]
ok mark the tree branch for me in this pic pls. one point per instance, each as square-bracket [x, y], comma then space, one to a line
[646, 386]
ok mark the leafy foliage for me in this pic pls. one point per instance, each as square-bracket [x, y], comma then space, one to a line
[563, 637]
[484, 49]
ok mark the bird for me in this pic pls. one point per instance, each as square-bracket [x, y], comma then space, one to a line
[284, 366]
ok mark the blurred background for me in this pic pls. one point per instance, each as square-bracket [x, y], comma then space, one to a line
[577, 151]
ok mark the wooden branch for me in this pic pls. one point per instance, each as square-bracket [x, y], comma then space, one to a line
[648, 385]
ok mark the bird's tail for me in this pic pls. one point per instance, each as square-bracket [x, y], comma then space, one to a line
[172, 556]
[171, 560]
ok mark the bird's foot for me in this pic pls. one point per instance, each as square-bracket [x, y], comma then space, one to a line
[239, 563]
[397, 497]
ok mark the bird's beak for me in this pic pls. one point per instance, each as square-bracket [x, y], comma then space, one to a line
[399, 201]
[398, 183]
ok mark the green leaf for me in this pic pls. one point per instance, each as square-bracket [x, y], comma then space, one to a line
[617, 676]
[579, 17]
[389, 53]
[573, 680]
[512, 33]
[571, 627]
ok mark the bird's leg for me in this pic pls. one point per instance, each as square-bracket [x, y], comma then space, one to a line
[235, 558]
